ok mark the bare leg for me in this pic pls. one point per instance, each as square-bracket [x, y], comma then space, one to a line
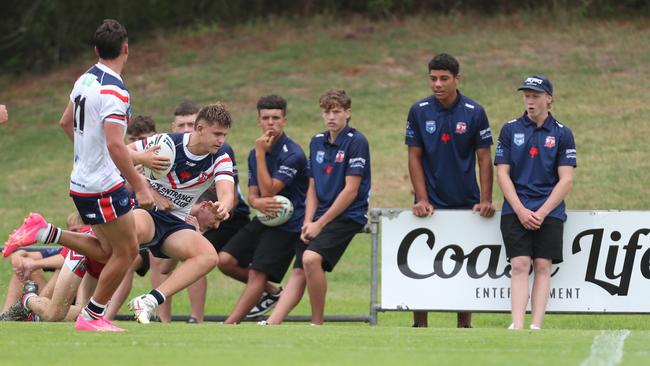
[120, 234]
[122, 291]
[199, 259]
[541, 289]
[89, 245]
[230, 267]
[197, 292]
[158, 277]
[48, 290]
[86, 288]
[519, 289]
[250, 296]
[64, 293]
[316, 284]
[15, 285]
[291, 296]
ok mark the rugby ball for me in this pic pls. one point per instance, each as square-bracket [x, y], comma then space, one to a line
[167, 149]
[279, 217]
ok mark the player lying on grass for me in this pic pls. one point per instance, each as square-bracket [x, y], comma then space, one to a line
[199, 163]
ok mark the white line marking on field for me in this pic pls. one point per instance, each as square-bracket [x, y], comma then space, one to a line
[607, 348]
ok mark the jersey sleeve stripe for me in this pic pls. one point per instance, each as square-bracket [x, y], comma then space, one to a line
[117, 116]
[121, 97]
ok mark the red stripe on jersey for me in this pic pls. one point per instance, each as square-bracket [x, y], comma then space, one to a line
[171, 180]
[224, 160]
[117, 116]
[106, 205]
[121, 97]
[101, 194]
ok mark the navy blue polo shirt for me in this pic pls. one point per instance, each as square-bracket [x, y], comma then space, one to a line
[449, 138]
[287, 163]
[534, 155]
[330, 163]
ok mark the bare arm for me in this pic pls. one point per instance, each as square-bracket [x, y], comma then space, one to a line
[120, 155]
[67, 120]
[268, 186]
[4, 115]
[340, 204]
[485, 207]
[560, 191]
[422, 206]
[526, 216]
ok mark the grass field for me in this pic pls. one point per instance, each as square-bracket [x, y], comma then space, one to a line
[601, 72]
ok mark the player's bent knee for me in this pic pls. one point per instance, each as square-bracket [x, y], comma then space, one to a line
[226, 261]
[311, 259]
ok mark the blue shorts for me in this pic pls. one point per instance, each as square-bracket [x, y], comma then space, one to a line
[48, 252]
[100, 208]
[165, 224]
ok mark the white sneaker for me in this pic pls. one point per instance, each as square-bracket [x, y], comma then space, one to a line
[535, 327]
[512, 326]
[143, 308]
[262, 322]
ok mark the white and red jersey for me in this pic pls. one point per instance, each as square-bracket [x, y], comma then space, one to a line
[99, 96]
[190, 175]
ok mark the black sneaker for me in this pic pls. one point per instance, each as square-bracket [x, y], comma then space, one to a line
[15, 313]
[267, 302]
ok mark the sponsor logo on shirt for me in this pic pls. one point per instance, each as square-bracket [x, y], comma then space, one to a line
[519, 139]
[340, 156]
[485, 134]
[320, 156]
[570, 153]
[288, 171]
[430, 126]
[550, 141]
[461, 128]
[91, 216]
[357, 163]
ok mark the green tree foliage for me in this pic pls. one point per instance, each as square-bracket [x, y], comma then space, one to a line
[37, 34]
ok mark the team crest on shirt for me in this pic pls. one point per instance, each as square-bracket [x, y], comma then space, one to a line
[430, 126]
[340, 155]
[550, 141]
[123, 201]
[461, 127]
[519, 139]
[320, 156]
[202, 177]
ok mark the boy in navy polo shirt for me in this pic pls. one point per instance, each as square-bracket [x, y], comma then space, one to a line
[337, 206]
[535, 158]
[445, 133]
[259, 253]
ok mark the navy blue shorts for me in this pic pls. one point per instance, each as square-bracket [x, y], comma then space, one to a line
[48, 252]
[100, 208]
[165, 224]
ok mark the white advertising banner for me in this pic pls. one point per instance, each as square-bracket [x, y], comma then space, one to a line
[455, 260]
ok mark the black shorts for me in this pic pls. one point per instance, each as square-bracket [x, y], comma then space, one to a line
[331, 243]
[165, 224]
[144, 267]
[263, 248]
[546, 242]
[227, 229]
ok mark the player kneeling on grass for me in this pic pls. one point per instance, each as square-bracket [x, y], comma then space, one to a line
[336, 207]
[535, 159]
[199, 162]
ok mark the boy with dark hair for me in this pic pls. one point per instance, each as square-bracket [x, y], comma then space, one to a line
[445, 133]
[184, 117]
[95, 120]
[535, 159]
[336, 208]
[141, 127]
[259, 253]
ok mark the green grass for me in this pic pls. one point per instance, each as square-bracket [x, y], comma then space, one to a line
[302, 345]
[601, 70]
